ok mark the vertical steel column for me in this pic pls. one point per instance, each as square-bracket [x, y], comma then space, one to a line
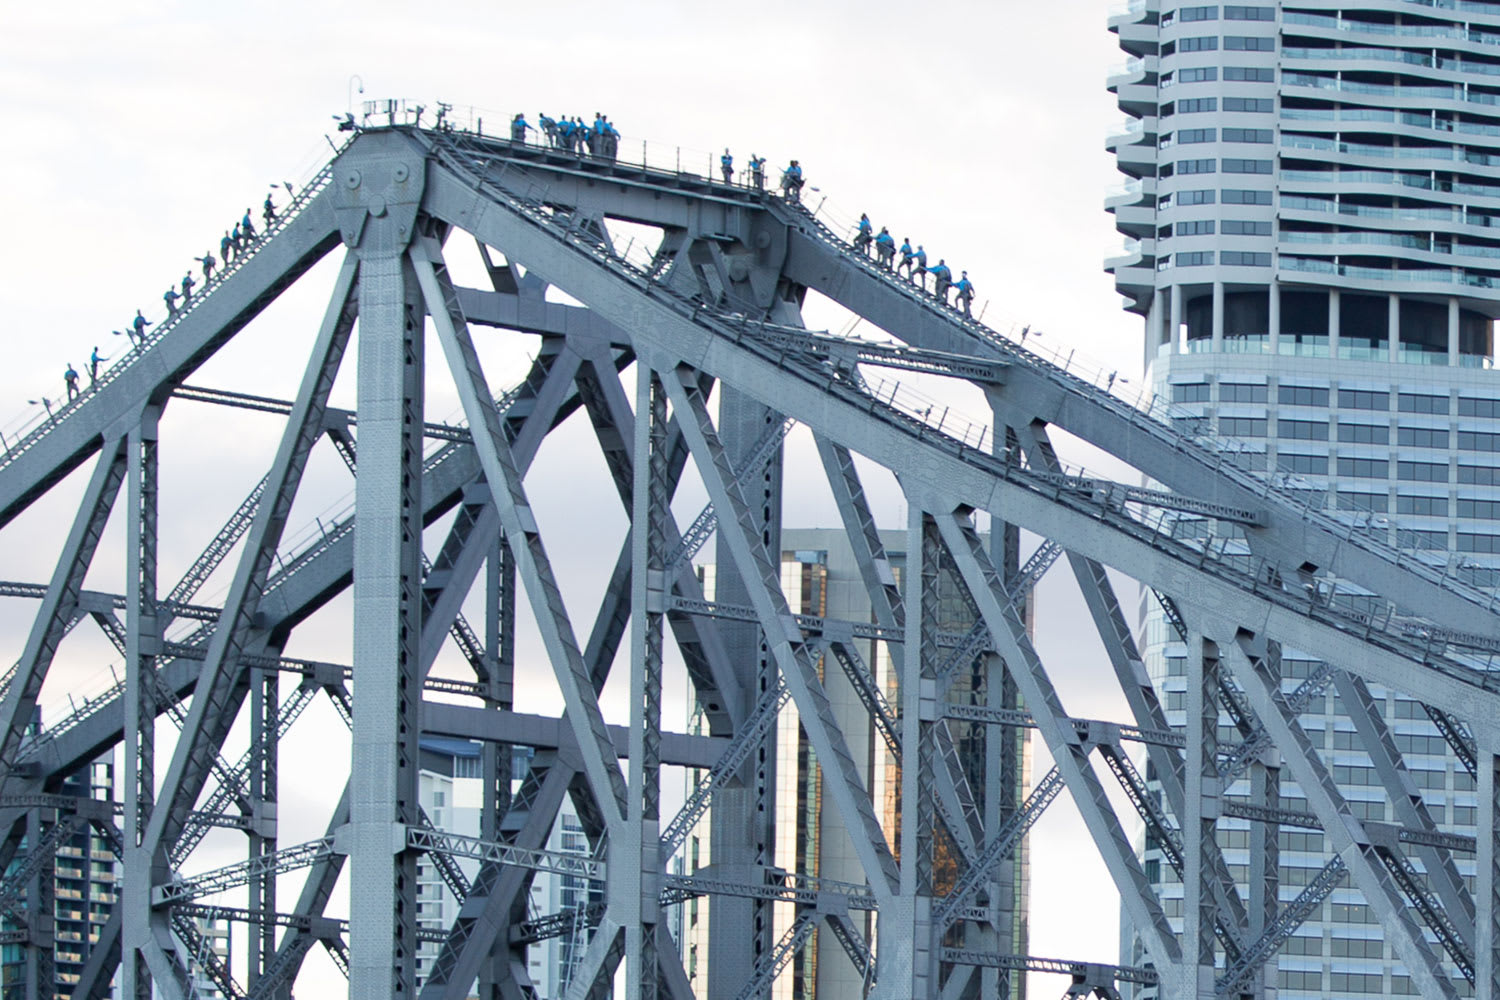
[906, 960]
[387, 629]
[1004, 756]
[265, 723]
[1265, 843]
[1487, 867]
[642, 857]
[495, 758]
[142, 636]
[41, 972]
[742, 823]
[1202, 800]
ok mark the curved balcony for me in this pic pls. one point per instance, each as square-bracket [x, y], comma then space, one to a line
[1132, 12]
[1393, 183]
[1413, 98]
[1138, 253]
[1435, 281]
[1133, 131]
[1391, 60]
[1141, 190]
[1403, 123]
[1441, 157]
[1291, 20]
[1135, 71]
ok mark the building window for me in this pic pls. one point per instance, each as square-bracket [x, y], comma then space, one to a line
[1261, 105]
[1305, 465]
[1363, 468]
[1250, 74]
[1202, 197]
[1242, 13]
[1242, 227]
[1195, 166]
[1424, 506]
[1484, 544]
[1190, 392]
[1302, 430]
[1356, 500]
[1198, 14]
[1248, 135]
[1295, 979]
[1249, 43]
[1195, 227]
[1478, 475]
[1191, 105]
[1350, 433]
[1198, 258]
[1240, 196]
[1478, 441]
[1242, 392]
[1242, 426]
[1421, 472]
[1197, 135]
[1242, 258]
[1478, 407]
[1488, 510]
[1363, 399]
[1207, 43]
[1413, 402]
[1237, 166]
[1198, 74]
[1422, 437]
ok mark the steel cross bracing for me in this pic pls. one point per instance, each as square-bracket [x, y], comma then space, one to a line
[716, 309]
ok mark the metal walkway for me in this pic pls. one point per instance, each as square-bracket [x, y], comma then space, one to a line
[711, 307]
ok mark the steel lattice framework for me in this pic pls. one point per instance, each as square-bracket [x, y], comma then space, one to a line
[1240, 565]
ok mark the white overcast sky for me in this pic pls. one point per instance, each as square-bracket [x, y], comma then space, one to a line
[138, 131]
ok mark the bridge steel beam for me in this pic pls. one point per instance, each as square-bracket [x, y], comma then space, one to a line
[717, 310]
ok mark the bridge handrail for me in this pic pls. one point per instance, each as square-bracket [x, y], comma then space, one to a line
[1157, 531]
[304, 196]
[1152, 414]
[1156, 419]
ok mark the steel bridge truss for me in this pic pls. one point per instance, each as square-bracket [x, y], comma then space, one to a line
[696, 352]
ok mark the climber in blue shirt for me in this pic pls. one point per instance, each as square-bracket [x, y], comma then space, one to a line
[726, 166]
[791, 181]
[965, 289]
[906, 256]
[922, 267]
[942, 278]
[885, 248]
[862, 235]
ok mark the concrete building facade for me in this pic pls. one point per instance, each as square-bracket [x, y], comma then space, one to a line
[1312, 215]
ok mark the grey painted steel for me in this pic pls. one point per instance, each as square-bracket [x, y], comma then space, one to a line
[718, 307]
[387, 575]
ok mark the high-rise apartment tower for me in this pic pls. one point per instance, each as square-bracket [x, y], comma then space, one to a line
[1313, 241]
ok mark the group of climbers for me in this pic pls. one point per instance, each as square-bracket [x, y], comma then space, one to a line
[234, 243]
[601, 140]
[913, 264]
[757, 175]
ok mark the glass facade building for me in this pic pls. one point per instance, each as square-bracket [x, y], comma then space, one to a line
[820, 577]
